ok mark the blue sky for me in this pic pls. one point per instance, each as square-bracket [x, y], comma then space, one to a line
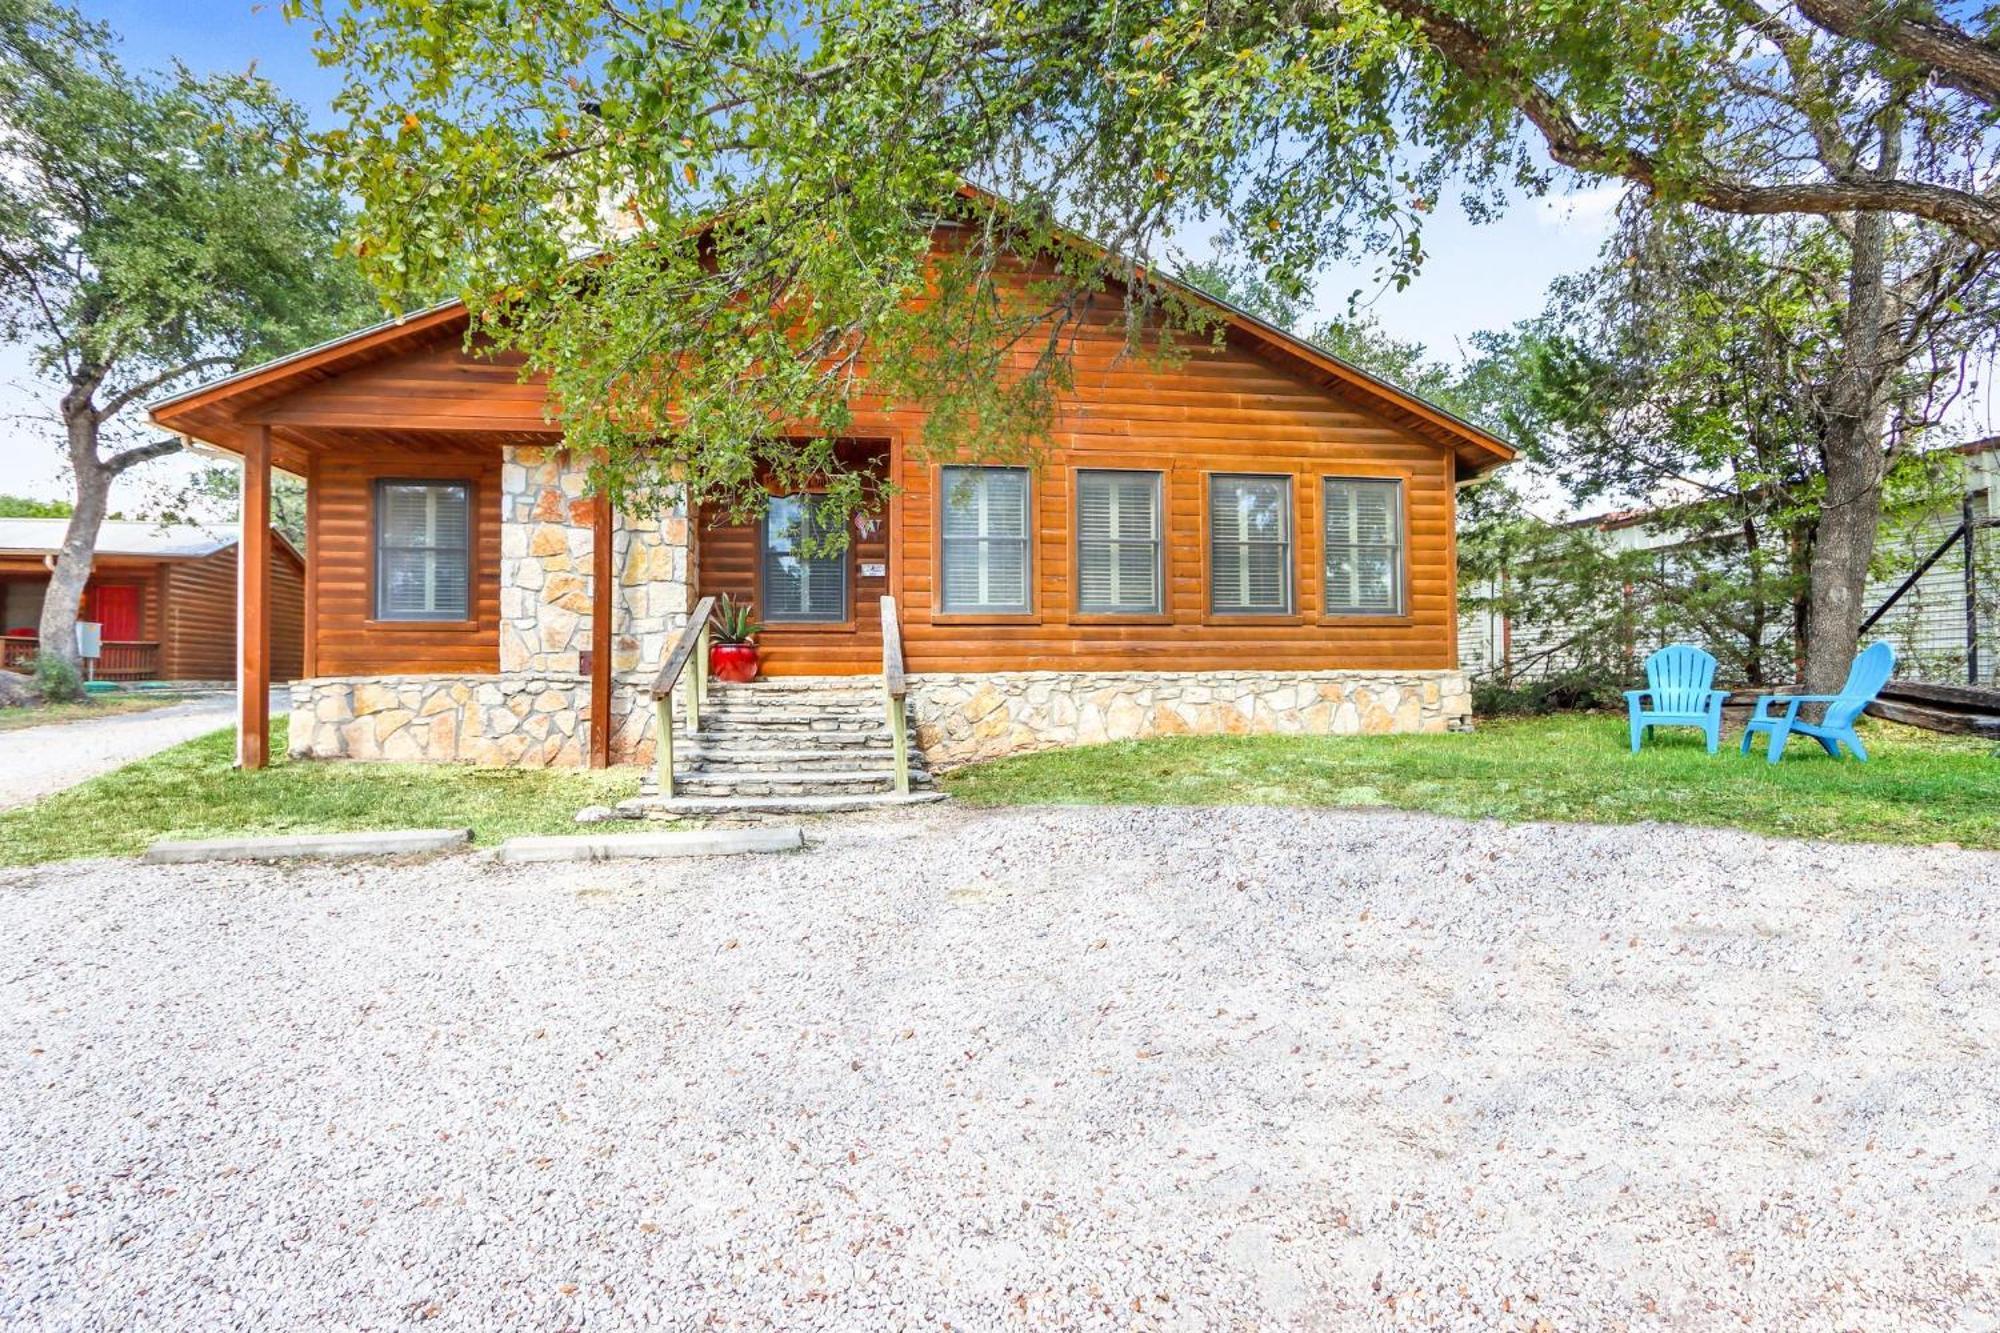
[1478, 277]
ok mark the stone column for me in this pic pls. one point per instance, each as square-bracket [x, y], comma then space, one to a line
[545, 547]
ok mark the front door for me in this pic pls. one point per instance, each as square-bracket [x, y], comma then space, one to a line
[115, 606]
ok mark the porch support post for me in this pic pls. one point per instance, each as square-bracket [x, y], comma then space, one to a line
[253, 606]
[601, 602]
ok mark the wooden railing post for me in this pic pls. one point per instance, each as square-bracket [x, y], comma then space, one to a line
[697, 681]
[894, 688]
[663, 748]
[899, 730]
[693, 635]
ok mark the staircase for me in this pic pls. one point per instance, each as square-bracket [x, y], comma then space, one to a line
[797, 745]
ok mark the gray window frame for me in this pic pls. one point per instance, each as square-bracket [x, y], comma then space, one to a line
[845, 562]
[1397, 547]
[1288, 544]
[381, 547]
[1026, 541]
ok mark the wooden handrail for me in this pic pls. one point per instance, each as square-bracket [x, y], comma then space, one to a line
[693, 642]
[894, 687]
[670, 670]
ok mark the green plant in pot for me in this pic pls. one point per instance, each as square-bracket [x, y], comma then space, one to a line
[732, 649]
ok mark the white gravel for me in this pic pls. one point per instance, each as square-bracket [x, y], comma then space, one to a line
[1037, 1069]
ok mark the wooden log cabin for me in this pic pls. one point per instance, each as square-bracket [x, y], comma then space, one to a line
[1254, 537]
[163, 595]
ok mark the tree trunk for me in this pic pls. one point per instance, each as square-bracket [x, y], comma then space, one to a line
[1844, 538]
[79, 549]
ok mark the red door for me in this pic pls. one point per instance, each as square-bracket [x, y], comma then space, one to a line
[116, 607]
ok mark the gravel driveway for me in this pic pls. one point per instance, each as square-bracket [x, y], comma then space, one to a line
[1033, 1069]
[35, 761]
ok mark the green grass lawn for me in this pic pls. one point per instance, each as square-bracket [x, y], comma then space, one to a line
[190, 791]
[97, 705]
[1919, 788]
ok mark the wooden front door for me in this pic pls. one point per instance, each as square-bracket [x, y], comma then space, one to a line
[117, 607]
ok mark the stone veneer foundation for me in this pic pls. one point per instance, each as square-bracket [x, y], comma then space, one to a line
[527, 719]
[536, 719]
[964, 718]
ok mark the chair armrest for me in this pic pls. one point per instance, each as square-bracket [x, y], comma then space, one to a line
[1762, 713]
[1635, 696]
[1792, 702]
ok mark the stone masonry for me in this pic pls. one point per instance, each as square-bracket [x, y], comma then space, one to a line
[964, 718]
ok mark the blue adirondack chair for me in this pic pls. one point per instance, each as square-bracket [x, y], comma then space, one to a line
[1679, 692]
[1865, 680]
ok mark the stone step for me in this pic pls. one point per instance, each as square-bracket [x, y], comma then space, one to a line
[822, 782]
[754, 698]
[797, 715]
[707, 807]
[735, 759]
[752, 739]
[795, 726]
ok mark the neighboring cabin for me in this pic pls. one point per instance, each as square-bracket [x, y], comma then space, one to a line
[1927, 624]
[1259, 537]
[165, 595]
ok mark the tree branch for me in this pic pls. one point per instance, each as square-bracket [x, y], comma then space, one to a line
[126, 396]
[1970, 215]
[144, 453]
[1958, 59]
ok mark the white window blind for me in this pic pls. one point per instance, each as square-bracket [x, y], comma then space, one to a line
[808, 584]
[983, 535]
[1118, 542]
[1250, 545]
[1364, 547]
[422, 550]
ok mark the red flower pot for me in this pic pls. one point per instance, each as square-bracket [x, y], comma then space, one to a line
[733, 663]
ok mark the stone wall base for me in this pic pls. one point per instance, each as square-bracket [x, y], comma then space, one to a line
[522, 719]
[537, 719]
[965, 718]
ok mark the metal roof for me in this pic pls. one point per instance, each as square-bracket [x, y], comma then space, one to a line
[44, 536]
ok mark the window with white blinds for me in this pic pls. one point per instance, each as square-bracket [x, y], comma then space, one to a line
[1364, 547]
[1250, 545]
[423, 550]
[1118, 542]
[803, 580]
[983, 539]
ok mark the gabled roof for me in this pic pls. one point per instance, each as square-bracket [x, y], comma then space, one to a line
[125, 537]
[201, 411]
[1475, 446]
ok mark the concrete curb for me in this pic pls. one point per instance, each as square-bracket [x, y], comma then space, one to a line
[317, 846]
[613, 846]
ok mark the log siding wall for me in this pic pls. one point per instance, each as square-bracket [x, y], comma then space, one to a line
[199, 639]
[348, 639]
[1232, 407]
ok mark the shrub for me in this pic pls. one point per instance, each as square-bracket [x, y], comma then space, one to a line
[1564, 692]
[56, 679]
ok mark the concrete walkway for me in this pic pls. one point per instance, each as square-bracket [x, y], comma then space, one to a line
[38, 760]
